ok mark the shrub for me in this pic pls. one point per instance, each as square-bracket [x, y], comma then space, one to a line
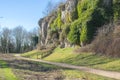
[85, 49]
[74, 14]
[116, 8]
[74, 34]
[107, 42]
[83, 36]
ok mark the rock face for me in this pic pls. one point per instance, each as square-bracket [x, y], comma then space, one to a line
[69, 7]
[66, 11]
[44, 23]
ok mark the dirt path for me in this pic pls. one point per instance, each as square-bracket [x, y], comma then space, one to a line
[110, 74]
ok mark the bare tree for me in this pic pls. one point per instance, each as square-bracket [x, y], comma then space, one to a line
[18, 40]
[5, 39]
[19, 35]
[52, 7]
[49, 8]
[33, 37]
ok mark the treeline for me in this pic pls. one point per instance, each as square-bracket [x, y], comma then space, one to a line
[17, 40]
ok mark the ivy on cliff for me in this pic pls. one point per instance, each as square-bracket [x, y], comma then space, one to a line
[57, 23]
[84, 20]
[74, 34]
[65, 31]
[116, 8]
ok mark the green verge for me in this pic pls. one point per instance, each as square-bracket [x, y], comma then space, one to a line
[37, 54]
[78, 75]
[6, 72]
[32, 54]
[67, 55]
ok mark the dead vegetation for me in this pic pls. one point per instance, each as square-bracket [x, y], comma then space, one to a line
[107, 41]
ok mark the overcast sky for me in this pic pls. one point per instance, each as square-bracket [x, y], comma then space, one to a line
[22, 12]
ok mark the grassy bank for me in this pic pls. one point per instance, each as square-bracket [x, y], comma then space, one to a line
[78, 75]
[64, 73]
[67, 55]
[84, 59]
[32, 54]
[38, 53]
[6, 72]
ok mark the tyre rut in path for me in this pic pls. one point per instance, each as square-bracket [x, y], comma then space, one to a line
[110, 74]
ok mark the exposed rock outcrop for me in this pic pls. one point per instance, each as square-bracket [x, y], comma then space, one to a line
[44, 23]
[69, 12]
[68, 9]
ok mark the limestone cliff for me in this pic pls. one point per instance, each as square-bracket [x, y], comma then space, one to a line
[44, 23]
[75, 22]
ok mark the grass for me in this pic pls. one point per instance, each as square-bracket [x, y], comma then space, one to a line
[32, 54]
[6, 72]
[113, 66]
[60, 54]
[78, 75]
[36, 69]
[67, 55]
[84, 59]
[38, 53]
